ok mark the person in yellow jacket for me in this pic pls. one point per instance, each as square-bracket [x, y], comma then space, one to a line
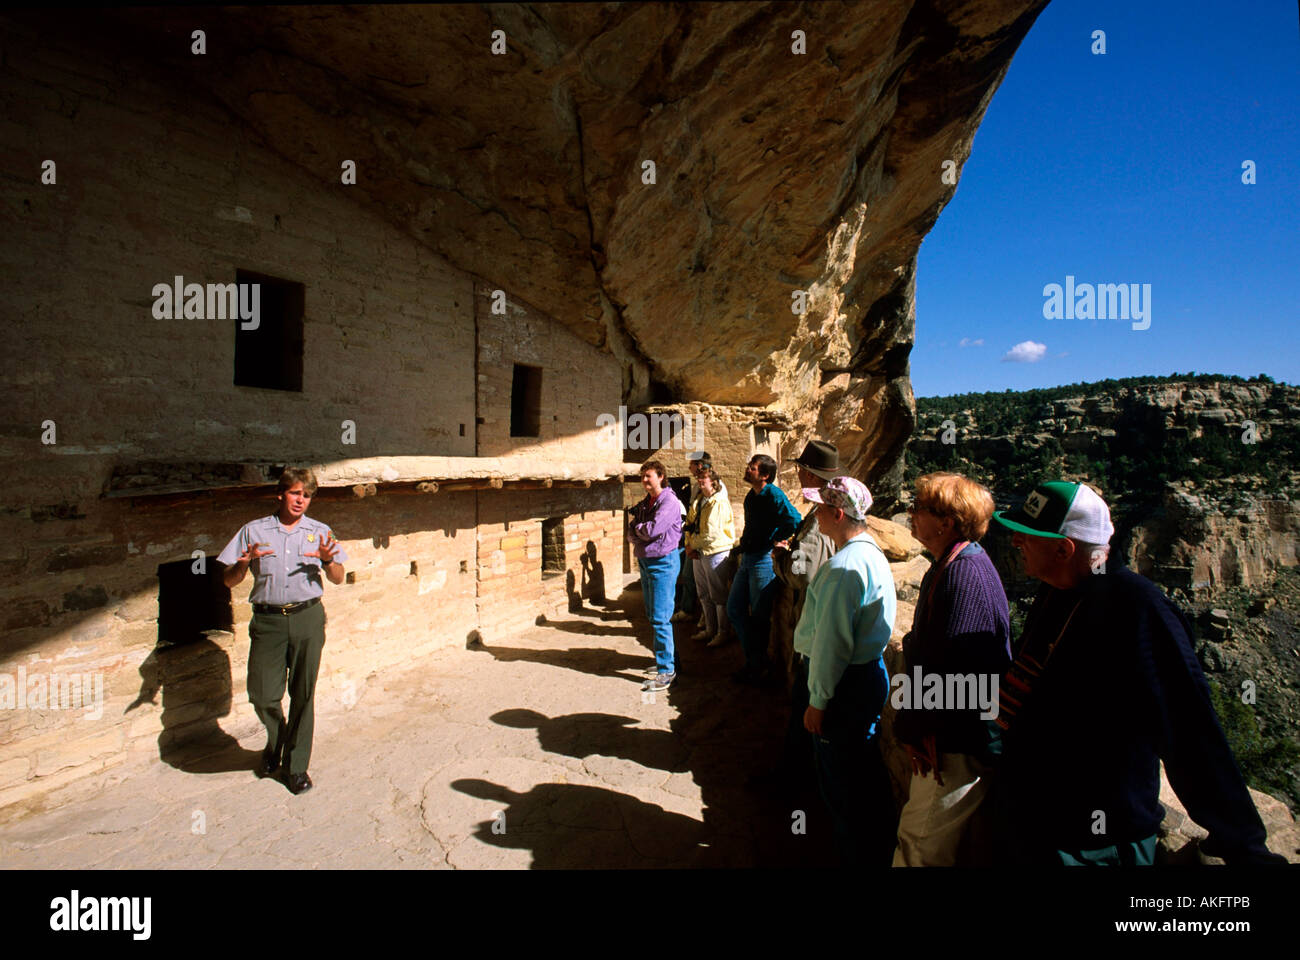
[710, 534]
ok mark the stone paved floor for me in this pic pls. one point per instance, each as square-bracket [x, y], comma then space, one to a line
[537, 752]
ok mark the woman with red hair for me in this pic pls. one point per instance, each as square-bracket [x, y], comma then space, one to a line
[961, 629]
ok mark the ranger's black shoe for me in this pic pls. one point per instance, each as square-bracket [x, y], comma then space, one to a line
[270, 762]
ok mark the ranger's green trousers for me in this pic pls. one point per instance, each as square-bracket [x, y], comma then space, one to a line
[286, 646]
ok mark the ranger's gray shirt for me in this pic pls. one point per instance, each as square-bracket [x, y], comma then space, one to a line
[286, 576]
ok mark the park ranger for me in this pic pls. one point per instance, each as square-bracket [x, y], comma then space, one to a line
[289, 552]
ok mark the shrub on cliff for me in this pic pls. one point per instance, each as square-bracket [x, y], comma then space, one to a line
[1264, 761]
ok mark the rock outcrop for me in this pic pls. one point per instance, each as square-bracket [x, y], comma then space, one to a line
[794, 147]
[1203, 545]
[1143, 412]
[1200, 533]
[1180, 836]
[895, 540]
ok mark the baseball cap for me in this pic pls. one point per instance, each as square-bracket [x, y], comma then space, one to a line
[850, 495]
[1059, 509]
[695, 455]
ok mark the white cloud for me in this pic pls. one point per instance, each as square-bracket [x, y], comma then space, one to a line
[967, 342]
[1026, 352]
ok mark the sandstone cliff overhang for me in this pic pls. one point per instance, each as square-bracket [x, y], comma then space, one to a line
[775, 170]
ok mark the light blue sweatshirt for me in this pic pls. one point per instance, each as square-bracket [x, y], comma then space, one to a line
[847, 617]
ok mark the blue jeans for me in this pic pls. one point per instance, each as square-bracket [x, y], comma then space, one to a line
[658, 584]
[749, 607]
[851, 774]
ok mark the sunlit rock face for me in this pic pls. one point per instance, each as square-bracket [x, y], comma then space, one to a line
[774, 170]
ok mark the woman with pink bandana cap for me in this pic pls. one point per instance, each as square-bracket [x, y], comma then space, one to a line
[846, 622]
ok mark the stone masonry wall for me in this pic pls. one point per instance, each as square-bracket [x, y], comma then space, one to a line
[579, 383]
[153, 182]
[513, 590]
[94, 601]
[420, 576]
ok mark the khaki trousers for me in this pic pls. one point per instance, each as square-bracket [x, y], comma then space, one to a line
[934, 824]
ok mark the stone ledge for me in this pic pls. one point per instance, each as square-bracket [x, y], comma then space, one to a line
[156, 478]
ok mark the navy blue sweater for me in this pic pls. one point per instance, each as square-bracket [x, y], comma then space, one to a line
[1121, 691]
[964, 628]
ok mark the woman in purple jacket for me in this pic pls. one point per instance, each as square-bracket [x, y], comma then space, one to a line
[655, 528]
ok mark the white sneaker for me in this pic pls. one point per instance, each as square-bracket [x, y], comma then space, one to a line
[651, 671]
[721, 640]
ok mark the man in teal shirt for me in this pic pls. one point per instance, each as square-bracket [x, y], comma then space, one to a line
[846, 622]
[769, 517]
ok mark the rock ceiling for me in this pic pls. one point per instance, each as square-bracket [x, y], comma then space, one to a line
[775, 171]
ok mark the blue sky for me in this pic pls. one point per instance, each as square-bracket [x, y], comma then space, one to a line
[1125, 168]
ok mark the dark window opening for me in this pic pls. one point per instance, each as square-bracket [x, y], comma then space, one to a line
[553, 560]
[270, 354]
[191, 603]
[526, 401]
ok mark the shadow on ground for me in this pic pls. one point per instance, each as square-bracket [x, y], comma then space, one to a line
[723, 734]
[570, 826]
[195, 683]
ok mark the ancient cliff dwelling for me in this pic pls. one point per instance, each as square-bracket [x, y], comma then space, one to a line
[480, 235]
[474, 264]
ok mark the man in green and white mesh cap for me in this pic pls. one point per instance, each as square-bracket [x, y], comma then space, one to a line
[1063, 511]
[1104, 686]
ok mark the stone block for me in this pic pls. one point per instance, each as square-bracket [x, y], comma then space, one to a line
[28, 612]
[894, 540]
[85, 598]
[67, 786]
[142, 606]
[432, 581]
[75, 752]
[79, 558]
[144, 721]
[14, 770]
[908, 576]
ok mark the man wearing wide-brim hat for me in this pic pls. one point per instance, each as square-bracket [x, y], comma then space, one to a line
[795, 561]
[1105, 685]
